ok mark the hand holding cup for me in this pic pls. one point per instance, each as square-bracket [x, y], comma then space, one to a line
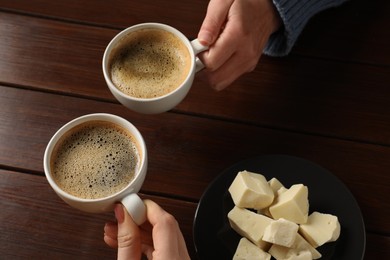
[95, 161]
[150, 67]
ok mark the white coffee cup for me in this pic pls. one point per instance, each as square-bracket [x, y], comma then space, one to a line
[161, 103]
[127, 196]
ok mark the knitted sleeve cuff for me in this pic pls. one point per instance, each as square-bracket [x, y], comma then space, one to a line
[295, 14]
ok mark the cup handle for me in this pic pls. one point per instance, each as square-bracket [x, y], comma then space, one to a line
[198, 48]
[135, 207]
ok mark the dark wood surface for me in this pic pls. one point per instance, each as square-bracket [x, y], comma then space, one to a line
[328, 102]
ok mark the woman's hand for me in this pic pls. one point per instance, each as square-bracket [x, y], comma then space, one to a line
[159, 238]
[236, 32]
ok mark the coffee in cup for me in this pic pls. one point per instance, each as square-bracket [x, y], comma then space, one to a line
[94, 160]
[149, 63]
[150, 67]
[97, 160]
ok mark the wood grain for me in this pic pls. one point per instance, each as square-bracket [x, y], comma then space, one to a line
[341, 96]
[346, 32]
[49, 229]
[184, 161]
[328, 102]
[52, 230]
[186, 16]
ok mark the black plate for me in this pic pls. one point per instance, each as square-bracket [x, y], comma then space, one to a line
[214, 239]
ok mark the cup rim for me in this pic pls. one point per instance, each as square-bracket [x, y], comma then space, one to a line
[82, 119]
[148, 25]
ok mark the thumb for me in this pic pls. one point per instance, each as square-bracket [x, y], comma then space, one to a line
[216, 16]
[129, 240]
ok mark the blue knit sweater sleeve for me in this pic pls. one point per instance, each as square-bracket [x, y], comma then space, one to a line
[295, 14]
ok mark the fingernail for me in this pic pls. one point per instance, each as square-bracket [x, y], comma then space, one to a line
[205, 38]
[119, 215]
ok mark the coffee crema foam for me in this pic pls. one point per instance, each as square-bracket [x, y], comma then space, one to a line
[150, 63]
[94, 160]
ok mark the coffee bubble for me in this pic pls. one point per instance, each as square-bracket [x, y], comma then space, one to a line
[150, 63]
[94, 160]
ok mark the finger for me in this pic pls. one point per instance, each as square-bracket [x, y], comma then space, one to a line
[153, 212]
[110, 234]
[217, 11]
[217, 55]
[129, 240]
[111, 229]
[167, 237]
[111, 242]
[227, 44]
[229, 72]
[147, 250]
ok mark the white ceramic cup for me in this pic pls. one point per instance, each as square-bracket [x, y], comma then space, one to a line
[127, 196]
[162, 103]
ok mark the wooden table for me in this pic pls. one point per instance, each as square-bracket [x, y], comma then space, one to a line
[327, 102]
